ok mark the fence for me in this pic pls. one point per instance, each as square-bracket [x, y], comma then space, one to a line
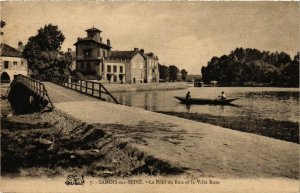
[94, 89]
[34, 85]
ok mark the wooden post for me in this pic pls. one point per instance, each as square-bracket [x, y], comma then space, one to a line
[80, 85]
[99, 90]
[86, 87]
[93, 88]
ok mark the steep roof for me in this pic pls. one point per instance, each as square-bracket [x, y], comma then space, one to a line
[9, 51]
[124, 55]
[90, 39]
[93, 29]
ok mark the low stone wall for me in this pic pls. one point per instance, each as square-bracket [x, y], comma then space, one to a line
[145, 87]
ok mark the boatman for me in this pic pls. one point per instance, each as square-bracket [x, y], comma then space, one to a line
[223, 96]
[188, 95]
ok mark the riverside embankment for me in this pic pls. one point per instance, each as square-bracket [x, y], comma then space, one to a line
[146, 86]
[110, 139]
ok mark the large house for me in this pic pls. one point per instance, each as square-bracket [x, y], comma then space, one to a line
[12, 62]
[151, 67]
[95, 59]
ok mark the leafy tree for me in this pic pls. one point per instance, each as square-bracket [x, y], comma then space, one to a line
[251, 65]
[173, 73]
[43, 54]
[184, 74]
[2, 24]
[163, 72]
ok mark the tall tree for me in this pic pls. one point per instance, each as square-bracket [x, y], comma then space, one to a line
[163, 72]
[251, 65]
[2, 24]
[183, 74]
[43, 54]
[173, 73]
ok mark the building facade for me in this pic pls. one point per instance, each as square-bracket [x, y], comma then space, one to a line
[12, 63]
[90, 52]
[151, 67]
[96, 60]
[131, 61]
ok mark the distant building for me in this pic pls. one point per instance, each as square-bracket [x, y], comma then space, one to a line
[132, 62]
[94, 58]
[12, 62]
[90, 52]
[151, 67]
[72, 66]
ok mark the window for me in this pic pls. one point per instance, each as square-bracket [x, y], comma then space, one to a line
[22, 63]
[121, 69]
[115, 68]
[108, 68]
[6, 64]
[99, 53]
[87, 52]
[103, 54]
[102, 68]
[15, 63]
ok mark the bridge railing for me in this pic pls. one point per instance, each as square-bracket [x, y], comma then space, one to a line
[36, 86]
[95, 89]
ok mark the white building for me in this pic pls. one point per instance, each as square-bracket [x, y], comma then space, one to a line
[11, 63]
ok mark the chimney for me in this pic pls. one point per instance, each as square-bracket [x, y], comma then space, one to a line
[20, 46]
[69, 49]
[135, 49]
[108, 42]
[142, 51]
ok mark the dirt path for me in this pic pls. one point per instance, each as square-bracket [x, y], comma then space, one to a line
[201, 149]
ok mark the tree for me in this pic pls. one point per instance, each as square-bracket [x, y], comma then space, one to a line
[173, 73]
[43, 54]
[251, 65]
[2, 24]
[184, 74]
[163, 72]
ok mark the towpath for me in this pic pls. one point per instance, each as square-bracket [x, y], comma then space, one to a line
[203, 149]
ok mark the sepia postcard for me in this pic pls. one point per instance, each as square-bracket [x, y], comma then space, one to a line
[149, 96]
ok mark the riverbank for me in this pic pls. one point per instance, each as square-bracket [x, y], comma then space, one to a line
[97, 138]
[51, 144]
[145, 86]
[283, 130]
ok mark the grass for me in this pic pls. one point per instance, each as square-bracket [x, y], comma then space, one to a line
[283, 130]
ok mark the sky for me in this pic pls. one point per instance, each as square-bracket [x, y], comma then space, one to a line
[185, 34]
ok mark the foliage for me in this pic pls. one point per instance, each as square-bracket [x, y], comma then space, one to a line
[242, 66]
[42, 52]
[2, 24]
[184, 74]
[173, 73]
[163, 72]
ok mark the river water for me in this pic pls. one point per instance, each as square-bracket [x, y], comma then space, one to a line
[258, 102]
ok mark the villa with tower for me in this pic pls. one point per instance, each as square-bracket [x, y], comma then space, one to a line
[96, 59]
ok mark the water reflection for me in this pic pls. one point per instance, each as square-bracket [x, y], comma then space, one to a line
[273, 103]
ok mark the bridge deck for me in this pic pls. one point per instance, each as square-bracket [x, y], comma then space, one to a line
[60, 94]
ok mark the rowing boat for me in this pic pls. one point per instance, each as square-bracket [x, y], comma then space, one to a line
[203, 101]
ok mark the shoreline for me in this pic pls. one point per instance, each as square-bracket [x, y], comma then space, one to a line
[145, 86]
[282, 130]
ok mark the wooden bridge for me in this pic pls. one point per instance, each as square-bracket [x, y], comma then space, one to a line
[58, 89]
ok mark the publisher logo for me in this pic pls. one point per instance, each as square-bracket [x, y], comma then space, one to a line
[74, 180]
